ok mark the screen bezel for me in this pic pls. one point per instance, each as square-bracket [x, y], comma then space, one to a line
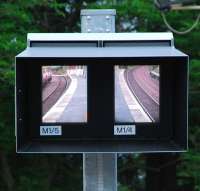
[163, 130]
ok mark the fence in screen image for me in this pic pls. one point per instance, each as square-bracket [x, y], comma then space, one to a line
[64, 94]
[137, 93]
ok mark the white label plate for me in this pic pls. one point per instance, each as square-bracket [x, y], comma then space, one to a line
[124, 130]
[50, 130]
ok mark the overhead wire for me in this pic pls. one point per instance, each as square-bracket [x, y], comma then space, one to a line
[180, 32]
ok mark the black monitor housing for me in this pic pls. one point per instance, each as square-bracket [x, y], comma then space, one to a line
[99, 55]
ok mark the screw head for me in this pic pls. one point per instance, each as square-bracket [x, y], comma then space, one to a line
[88, 17]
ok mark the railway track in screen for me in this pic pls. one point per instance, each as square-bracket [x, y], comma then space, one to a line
[53, 91]
[145, 89]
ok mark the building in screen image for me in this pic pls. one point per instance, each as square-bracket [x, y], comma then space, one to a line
[137, 93]
[64, 94]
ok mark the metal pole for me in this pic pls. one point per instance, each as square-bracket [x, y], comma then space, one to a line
[99, 172]
[180, 7]
[99, 169]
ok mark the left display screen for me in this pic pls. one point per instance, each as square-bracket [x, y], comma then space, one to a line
[64, 94]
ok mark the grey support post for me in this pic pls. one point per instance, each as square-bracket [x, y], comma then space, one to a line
[99, 169]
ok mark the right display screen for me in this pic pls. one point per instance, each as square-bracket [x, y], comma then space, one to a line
[137, 93]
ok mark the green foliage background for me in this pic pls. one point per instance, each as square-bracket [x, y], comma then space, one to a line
[44, 172]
